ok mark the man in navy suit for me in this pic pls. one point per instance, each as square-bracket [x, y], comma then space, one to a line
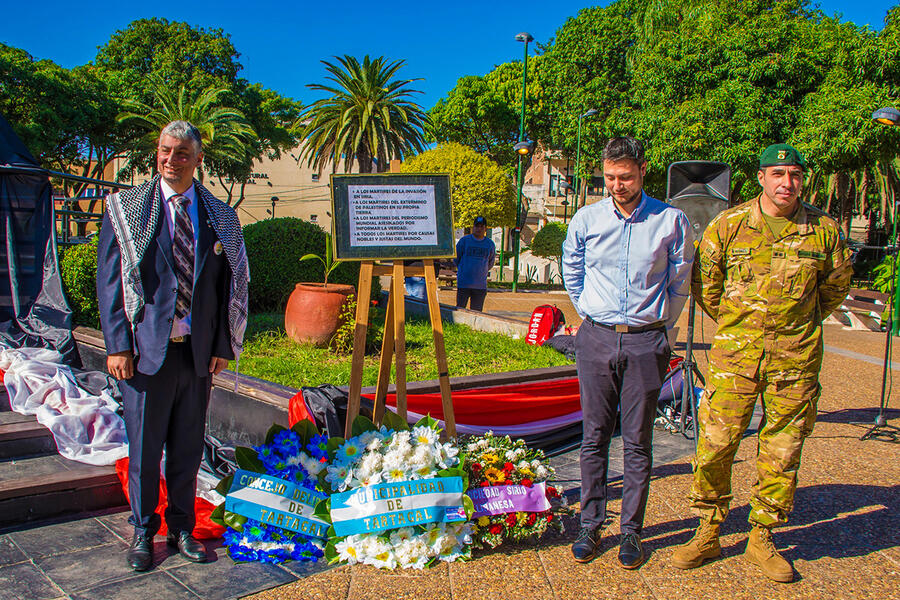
[165, 284]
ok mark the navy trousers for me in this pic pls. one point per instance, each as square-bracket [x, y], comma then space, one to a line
[165, 409]
[626, 371]
[472, 296]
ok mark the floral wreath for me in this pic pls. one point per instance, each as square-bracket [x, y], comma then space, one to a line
[296, 456]
[398, 454]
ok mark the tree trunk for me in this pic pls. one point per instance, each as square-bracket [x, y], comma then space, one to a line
[844, 203]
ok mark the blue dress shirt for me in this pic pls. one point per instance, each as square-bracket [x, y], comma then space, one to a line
[631, 270]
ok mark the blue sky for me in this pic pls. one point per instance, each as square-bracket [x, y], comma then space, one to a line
[282, 43]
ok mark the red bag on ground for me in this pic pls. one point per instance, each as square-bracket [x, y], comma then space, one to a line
[204, 529]
[545, 321]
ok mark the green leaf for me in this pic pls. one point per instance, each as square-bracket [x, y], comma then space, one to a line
[331, 554]
[248, 459]
[323, 510]
[427, 421]
[323, 483]
[306, 429]
[234, 520]
[333, 444]
[225, 485]
[218, 515]
[392, 420]
[469, 506]
[273, 431]
[311, 257]
[362, 424]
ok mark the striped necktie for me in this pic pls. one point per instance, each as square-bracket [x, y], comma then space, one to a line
[183, 250]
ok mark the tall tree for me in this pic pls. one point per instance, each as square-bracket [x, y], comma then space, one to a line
[368, 116]
[225, 132]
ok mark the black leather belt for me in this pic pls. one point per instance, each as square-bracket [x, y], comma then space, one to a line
[628, 328]
[178, 339]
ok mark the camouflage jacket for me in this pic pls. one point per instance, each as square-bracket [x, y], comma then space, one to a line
[769, 295]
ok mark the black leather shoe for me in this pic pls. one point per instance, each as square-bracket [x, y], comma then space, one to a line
[140, 554]
[631, 554]
[586, 544]
[188, 546]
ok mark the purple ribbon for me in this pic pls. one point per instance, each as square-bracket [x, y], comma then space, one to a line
[502, 499]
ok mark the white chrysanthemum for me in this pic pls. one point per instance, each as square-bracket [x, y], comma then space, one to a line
[541, 472]
[312, 465]
[383, 560]
[424, 436]
[399, 438]
[366, 479]
[510, 455]
[412, 553]
[392, 460]
[368, 437]
[339, 476]
[349, 549]
[371, 462]
[446, 457]
[422, 455]
[398, 536]
[295, 459]
[395, 474]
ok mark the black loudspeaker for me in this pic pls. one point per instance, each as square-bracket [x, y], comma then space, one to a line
[700, 188]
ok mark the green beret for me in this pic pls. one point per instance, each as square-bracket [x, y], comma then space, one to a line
[781, 154]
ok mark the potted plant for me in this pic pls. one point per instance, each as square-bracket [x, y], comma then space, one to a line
[313, 311]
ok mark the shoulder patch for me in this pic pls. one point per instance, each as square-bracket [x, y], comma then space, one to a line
[741, 252]
[811, 254]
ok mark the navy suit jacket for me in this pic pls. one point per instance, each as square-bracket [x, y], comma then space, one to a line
[149, 339]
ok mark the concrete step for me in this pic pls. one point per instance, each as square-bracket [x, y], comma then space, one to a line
[43, 487]
[22, 435]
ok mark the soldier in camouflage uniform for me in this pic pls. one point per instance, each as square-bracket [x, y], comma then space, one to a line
[768, 272]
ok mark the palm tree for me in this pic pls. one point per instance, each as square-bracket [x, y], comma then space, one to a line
[367, 118]
[224, 130]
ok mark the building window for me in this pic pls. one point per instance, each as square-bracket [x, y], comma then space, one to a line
[315, 176]
[313, 218]
[555, 180]
[595, 188]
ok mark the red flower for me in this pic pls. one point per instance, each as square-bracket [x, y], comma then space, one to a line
[485, 484]
[549, 517]
[531, 519]
[509, 467]
[527, 482]
[495, 529]
[552, 492]
[476, 467]
[511, 520]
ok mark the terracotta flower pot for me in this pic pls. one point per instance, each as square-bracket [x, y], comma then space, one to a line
[313, 311]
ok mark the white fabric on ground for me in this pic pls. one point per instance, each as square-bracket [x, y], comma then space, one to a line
[86, 427]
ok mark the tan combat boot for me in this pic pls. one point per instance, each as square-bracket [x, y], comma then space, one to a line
[703, 546]
[761, 552]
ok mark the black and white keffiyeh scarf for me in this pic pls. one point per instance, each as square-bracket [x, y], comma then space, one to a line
[134, 215]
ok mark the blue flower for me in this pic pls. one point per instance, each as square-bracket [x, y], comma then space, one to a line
[242, 553]
[287, 441]
[318, 446]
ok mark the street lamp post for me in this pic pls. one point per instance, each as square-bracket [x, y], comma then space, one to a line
[564, 185]
[589, 113]
[517, 231]
[891, 117]
[274, 200]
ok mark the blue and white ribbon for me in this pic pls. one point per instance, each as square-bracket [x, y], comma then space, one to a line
[401, 504]
[276, 502]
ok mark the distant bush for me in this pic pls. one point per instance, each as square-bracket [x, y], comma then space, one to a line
[548, 241]
[274, 248]
[78, 268]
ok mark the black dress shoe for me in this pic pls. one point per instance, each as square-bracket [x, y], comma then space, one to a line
[140, 554]
[188, 546]
[631, 554]
[586, 544]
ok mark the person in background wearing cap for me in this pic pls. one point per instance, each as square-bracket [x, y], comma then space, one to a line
[627, 268]
[475, 255]
[768, 272]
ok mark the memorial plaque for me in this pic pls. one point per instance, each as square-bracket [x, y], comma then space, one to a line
[392, 216]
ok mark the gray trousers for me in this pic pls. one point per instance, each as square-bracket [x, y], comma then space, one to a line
[618, 370]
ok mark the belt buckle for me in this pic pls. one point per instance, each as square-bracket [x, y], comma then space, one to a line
[621, 328]
[177, 339]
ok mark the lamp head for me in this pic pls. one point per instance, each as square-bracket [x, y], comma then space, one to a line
[886, 116]
[564, 185]
[524, 148]
[524, 37]
[591, 113]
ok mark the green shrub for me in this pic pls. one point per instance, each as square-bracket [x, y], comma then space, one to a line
[274, 249]
[78, 269]
[548, 241]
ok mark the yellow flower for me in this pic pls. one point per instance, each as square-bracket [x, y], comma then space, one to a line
[495, 475]
[526, 472]
[484, 521]
[489, 458]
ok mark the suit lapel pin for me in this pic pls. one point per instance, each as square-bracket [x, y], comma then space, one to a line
[217, 247]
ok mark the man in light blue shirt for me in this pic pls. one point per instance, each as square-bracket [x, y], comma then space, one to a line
[626, 265]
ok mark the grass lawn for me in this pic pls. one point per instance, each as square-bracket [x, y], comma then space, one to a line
[270, 354]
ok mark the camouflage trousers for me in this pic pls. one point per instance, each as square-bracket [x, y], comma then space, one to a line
[724, 414]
